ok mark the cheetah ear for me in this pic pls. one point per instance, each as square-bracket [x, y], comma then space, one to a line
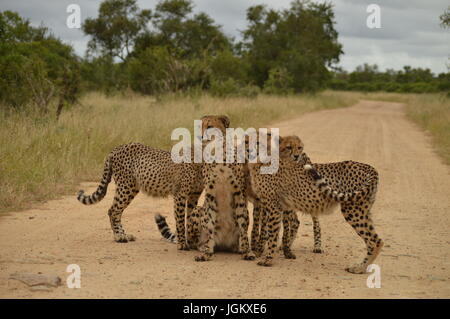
[225, 120]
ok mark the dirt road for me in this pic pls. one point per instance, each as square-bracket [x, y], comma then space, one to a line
[412, 215]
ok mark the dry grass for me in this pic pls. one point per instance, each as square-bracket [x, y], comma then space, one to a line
[41, 159]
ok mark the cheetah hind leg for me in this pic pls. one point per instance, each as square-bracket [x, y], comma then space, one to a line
[290, 229]
[363, 226]
[123, 197]
[317, 236]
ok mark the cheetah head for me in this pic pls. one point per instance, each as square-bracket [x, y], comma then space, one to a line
[220, 122]
[291, 147]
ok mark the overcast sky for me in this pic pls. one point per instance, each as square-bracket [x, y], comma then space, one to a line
[409, 35]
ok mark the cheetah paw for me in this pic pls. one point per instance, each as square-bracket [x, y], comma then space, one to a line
[266, 262]
[357, 269]
[249, 256]
[124, 238]
[182, 246]
[317, 250]
[203, 257]
[289, 254]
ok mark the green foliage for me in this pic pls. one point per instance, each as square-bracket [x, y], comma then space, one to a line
[116, 28]
[280, 82]
[225, 65]
[36, 67]
[184, 34]
[13, 28]
[368, 78]
[102, 74]
[232, 88]
[301, 39]
[156, 71]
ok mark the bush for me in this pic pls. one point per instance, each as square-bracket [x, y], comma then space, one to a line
[232, 88]
[250, 91]
[279, 82]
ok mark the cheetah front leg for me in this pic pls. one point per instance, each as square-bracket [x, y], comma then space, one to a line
[194, 227]
[193, 213]
[179, 208]
[241, 217]
[208, 224]
[263, 235]
[256, 229]
[273, 228]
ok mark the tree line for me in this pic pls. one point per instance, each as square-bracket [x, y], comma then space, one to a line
[172, 48]
[369, 78]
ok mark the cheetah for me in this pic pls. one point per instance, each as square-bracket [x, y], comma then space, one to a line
[295, 187]
[226, 232]
[291, 222]
[137, 167]
[225, 195]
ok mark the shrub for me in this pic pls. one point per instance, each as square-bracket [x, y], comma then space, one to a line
[279, 82]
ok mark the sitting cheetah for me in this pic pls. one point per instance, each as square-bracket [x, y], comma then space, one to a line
[293, 187]
[225, 193]
[226, 232]
[136, 167]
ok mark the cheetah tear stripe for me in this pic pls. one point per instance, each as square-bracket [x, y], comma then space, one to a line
[101, 190]
[164, 229]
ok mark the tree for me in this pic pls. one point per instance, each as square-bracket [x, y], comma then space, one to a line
[116, 28]
[184, 34]
[36, 66]
[13, 28]
[301, 39]
[445, 18]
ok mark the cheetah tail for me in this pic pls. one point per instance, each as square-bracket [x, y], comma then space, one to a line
[101, 190]
[326, 189]
[164, 229]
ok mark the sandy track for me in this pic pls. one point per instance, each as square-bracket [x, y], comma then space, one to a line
[411, 215]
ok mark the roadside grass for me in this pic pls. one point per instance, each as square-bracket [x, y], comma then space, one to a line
[41, 158]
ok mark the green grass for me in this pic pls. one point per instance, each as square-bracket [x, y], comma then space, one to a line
[41, 159]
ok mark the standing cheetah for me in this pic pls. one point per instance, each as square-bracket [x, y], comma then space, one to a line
[293, 187]
[136, 167]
